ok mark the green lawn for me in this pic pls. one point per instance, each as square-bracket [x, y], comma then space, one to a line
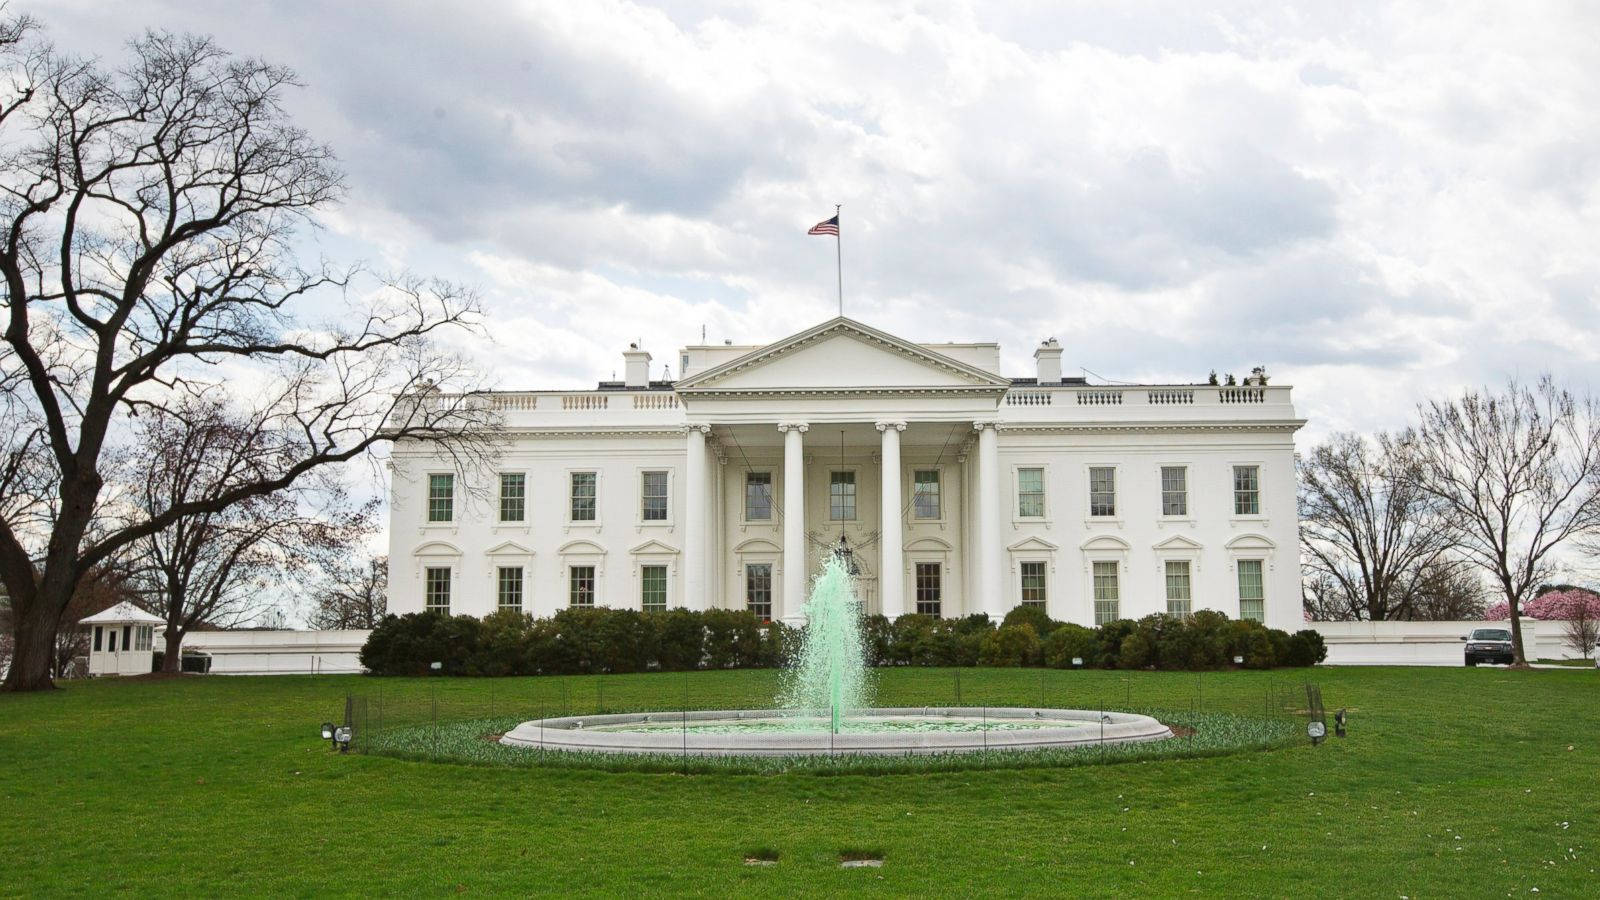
[1454, 782]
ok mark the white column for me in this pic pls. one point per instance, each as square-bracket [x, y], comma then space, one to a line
[990, 495]
[794, 523]
[694, 520]
[891, 580]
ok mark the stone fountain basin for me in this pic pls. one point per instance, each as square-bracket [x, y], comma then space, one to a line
[773, 732]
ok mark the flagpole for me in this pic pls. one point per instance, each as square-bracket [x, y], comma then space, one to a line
[838, 257]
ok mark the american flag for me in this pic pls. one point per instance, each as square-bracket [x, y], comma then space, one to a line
[827, 226]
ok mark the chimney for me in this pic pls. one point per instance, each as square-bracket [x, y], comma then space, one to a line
[1048, 357]
[636, 367]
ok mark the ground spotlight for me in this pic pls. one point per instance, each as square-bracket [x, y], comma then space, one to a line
[1077, 662]
[341, 738]
[1238, 660]
[327, 731]
[1338, 723]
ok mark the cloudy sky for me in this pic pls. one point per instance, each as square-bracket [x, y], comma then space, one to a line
[1377, 202]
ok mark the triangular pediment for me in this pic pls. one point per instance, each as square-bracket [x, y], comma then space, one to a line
[842, 353]
[653, 548]
[1033, 545]
[1177, 542]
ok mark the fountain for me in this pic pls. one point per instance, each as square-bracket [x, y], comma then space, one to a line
[830, 675]
[826, 709]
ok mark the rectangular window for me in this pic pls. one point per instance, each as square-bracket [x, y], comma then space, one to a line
[513, 496]
[436, 589]
[758, 496]
[653, 496]
[1030, 493]
[925, 501]
[653, 588]
[1106, 593]
[111, 645]
[1102, 491]
[580, 591]
[842, 496]
[1174, 491]
[758, 590]
[1252, 595]
[583, 496]
[930, 589]
[127, 637]
[508, 588]
[441, 497]
[1033, 584]
[1246, 490]
[1177, 587]
[99, 634]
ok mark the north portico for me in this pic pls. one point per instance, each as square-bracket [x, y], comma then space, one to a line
[953, 488]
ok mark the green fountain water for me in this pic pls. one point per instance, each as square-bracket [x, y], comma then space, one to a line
[830, 676]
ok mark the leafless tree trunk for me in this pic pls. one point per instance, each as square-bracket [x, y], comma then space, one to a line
[1521, 470]
[217, 567]
[356, 595]
[1368, 528]
[146, 217]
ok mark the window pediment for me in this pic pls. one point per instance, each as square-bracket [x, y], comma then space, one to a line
[1179, 543]
[1251, 542]
[508, 548]
[581, 548]
[437, 548]
[654, 548]
[1105, 543]
[1033, 545]
[757, 545]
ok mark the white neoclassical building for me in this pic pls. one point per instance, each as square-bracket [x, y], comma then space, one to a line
[953, 488]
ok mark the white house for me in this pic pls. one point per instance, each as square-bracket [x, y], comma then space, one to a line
[954, 489]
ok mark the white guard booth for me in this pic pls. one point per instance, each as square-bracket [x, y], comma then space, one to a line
[121, 640]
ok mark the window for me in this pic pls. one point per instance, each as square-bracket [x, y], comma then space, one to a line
[653, 496]
[99, 634]
[758, 496]
[1252, 597]
[436, 589]
[583, 496]
[111, 646]
[1030, 493]
[925, 502]
[1102, 491]
[580, 591]
[127, 637]
[842, 495]
[441, 497]
[758, 590]
[1177, 587]
[1033, 584]
[513, 496]
[1247, 490]
[144, 638]
[653, 588]
[1174, 491]
[1106, 595]
[930, 589]
[508, 587]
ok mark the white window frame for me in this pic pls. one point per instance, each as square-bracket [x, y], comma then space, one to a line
[772, 497]
[1014, 491]
[910, 489]
[1118, 569]
[1045, 568]
[1116, 494]
[772, 586]
[1260, 515]
[666, 576]
[581, 552]
[1166, 586]
[427, 500]
[759, 550]
[500, 496]
[943, 582]
[522, 587]
[1238, 585]
[1161, 493]
[450, 581]
[638, 479]
[596, 522]
[827, 496]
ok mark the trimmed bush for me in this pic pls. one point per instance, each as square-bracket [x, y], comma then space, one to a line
[1010, 646]
[601, 640]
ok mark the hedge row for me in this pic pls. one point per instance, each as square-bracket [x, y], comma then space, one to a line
[592, 641]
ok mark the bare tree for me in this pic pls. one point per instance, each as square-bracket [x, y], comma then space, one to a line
[355, 595]
[1521, 470]
[217, 567]
[1368, 530]
[1449, 591]
[146, 221]
[1582, 628]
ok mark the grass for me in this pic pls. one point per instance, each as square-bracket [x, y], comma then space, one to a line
[1453, 782]
[1574, 663]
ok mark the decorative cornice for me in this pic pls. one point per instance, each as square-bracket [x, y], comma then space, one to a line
[857, 391]
[1288, 426]
[856, 330]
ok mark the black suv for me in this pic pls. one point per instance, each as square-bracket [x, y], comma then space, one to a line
[1489, 645]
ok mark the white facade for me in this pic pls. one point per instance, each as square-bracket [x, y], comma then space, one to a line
[951, 484]
[121, 640]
